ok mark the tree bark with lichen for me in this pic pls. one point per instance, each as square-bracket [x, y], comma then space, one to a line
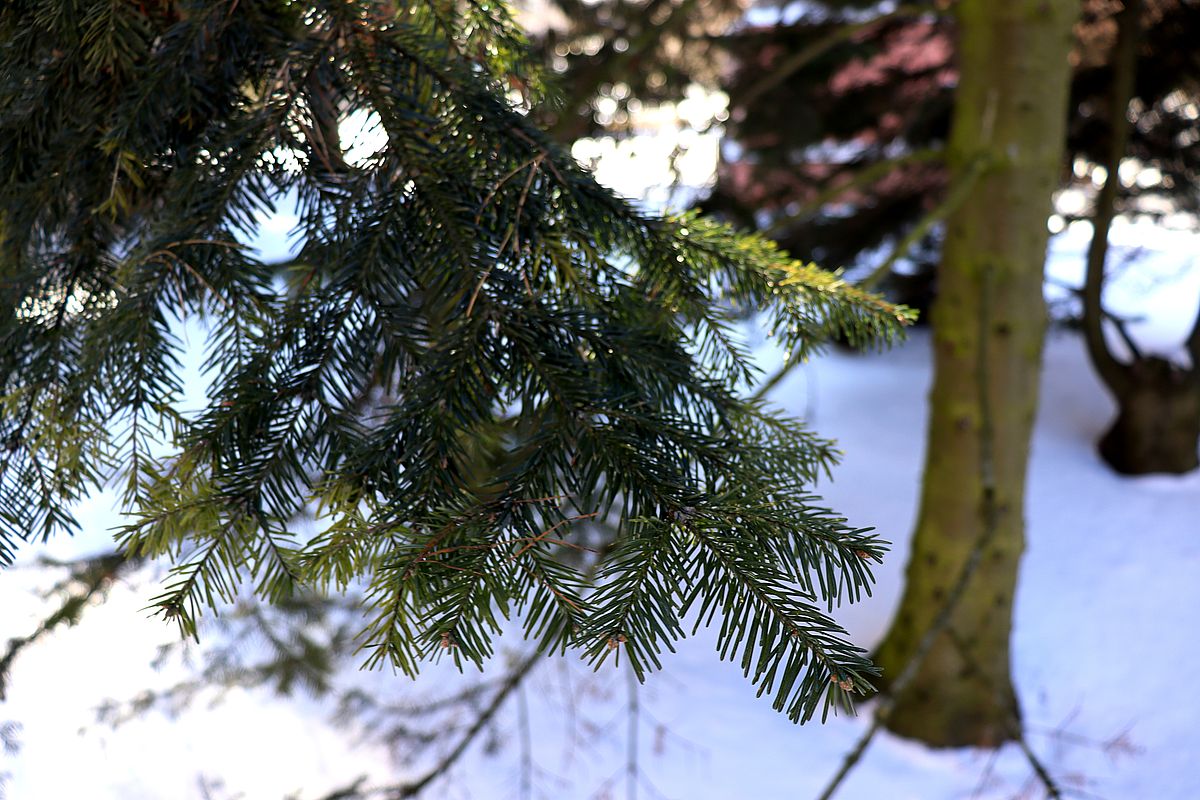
[989, 323]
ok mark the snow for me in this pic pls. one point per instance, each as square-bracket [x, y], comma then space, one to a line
[1103, 646]
[1102, 643]
[1153, 281]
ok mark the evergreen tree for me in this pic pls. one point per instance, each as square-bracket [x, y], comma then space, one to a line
[476, 356]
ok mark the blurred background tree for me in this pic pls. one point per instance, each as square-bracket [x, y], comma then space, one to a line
[836, 147]
[1004, 156]
[840, 118]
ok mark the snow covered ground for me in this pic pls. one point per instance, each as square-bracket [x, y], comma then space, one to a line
[1104, 648]
[1104, 639]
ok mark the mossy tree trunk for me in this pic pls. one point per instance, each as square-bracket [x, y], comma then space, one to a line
[989, 323]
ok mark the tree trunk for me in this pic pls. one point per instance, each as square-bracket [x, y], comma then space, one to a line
[1157, 428]
[989, 322]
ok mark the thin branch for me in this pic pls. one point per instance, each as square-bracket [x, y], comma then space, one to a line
[1039, 769]
[1111, 747]
[500, 183]
[513, 233]
[163, 255]
[415, 787]
[1123, 332]
[954, 198]
[773, 381]
[815, 50]
[1014, 719]
[1114, 374]
[864, 177]
[985, 775]
[1120, 323]
[526, 744]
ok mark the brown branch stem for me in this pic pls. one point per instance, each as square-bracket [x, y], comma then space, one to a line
[1111, 371]
[415, 787]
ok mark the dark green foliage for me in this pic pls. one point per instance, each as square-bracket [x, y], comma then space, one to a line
[477, 356]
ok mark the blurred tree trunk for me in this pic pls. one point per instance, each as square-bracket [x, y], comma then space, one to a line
[1157, 427]
[989, 322]
[1158, 403]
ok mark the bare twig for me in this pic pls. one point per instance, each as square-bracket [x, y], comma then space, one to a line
[513, 233]
[415, 787]
[500, 184]
[1039, 769]
[526, 744]
[1014, 721]
[985, 775]
[773, 381]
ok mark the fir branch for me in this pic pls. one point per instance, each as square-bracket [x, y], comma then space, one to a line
[472, 327]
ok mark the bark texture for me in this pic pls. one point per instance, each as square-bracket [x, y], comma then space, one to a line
[989, 323]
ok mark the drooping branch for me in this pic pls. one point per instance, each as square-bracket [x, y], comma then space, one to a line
[1124, 65]
[954, 198]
